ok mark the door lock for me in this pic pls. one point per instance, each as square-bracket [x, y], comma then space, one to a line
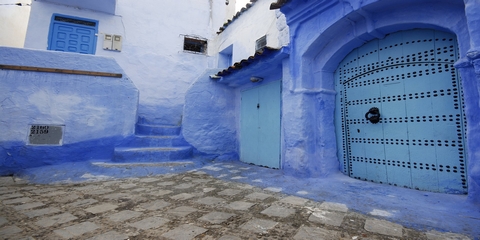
[373, 115]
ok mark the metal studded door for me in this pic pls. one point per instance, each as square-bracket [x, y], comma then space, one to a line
[260, 125]
[399, 116]
[69, 34]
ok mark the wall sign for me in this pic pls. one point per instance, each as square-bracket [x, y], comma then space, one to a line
[45, 135]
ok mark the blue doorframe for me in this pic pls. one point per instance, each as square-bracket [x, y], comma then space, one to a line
[260, 125]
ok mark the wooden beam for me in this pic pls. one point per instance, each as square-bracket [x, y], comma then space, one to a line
[57, 70]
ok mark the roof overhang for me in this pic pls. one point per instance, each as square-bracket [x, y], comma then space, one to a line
[266, 62]
[106, 6]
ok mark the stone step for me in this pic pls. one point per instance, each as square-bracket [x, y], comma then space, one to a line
[157, 130]
[151, 154]
[154, 141]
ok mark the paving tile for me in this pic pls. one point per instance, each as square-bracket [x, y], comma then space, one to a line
[116, 196]
[210, 200]
[159, 193]
[293, 200]
[28, 206]
[68, 198]
[212, 168]
[229, 192]
[151, 222]
[112, 235]
[110, 183]
[17, 200]
[149, 180]
[238, 177]
[327, 217]
[258, 196]
[229, 237]
[331, 206]
[10, 196]
[54, 220]
[184, 232]
[101, 208]
[29, 188]
[88, 188]
[182, 196]
[82, 203]
[182, 211]
[155, 205]
[3, 221]
[43, 190]
[201, 180]
[127, 186]
[53, 194]
[315, 233]
[26, 238]
[41, 212]
[140, 189]
[167, 183]
[257, 225]
[76, 230]
[216, 217]
[9, 230]
[100, 191]
[278, 211]
[383, 227]
[273, 189]
[240, 205]
[206, 190]
[184, 185]
[245, 186]
[124, 215]
[434, 235]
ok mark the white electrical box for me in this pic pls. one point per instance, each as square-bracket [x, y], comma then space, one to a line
[117, 43]
[107, 42]
[112, 42]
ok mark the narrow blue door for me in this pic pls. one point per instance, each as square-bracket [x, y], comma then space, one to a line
[72, 35]
[260, 125]
[418, 141]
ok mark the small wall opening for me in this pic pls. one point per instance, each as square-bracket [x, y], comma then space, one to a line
[225, 57]
[195, 45]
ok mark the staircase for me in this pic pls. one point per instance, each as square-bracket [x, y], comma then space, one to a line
[153, 143]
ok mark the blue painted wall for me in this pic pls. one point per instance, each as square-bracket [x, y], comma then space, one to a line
[323, 32]
[97, 112]
[209, 117]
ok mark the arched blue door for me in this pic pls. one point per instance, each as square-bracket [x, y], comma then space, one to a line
[418, 141]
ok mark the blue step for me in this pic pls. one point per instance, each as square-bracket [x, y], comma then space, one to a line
[155, 141]
[151, 154]
[164, 130]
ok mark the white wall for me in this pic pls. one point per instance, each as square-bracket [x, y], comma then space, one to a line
[152, 53]
[13, 22]
[252, 24]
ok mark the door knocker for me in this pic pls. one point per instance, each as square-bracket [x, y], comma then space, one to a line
[373, 115]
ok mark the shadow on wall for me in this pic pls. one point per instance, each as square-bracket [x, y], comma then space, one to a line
[209, 122]
[16, 156]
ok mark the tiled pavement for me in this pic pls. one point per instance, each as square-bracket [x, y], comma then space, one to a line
[190, 205]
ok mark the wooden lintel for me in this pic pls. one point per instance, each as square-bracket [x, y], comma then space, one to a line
[64, 71]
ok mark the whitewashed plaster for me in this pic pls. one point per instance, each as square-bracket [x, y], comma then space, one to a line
[251, 25]
[13, 22]
[152, 53]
